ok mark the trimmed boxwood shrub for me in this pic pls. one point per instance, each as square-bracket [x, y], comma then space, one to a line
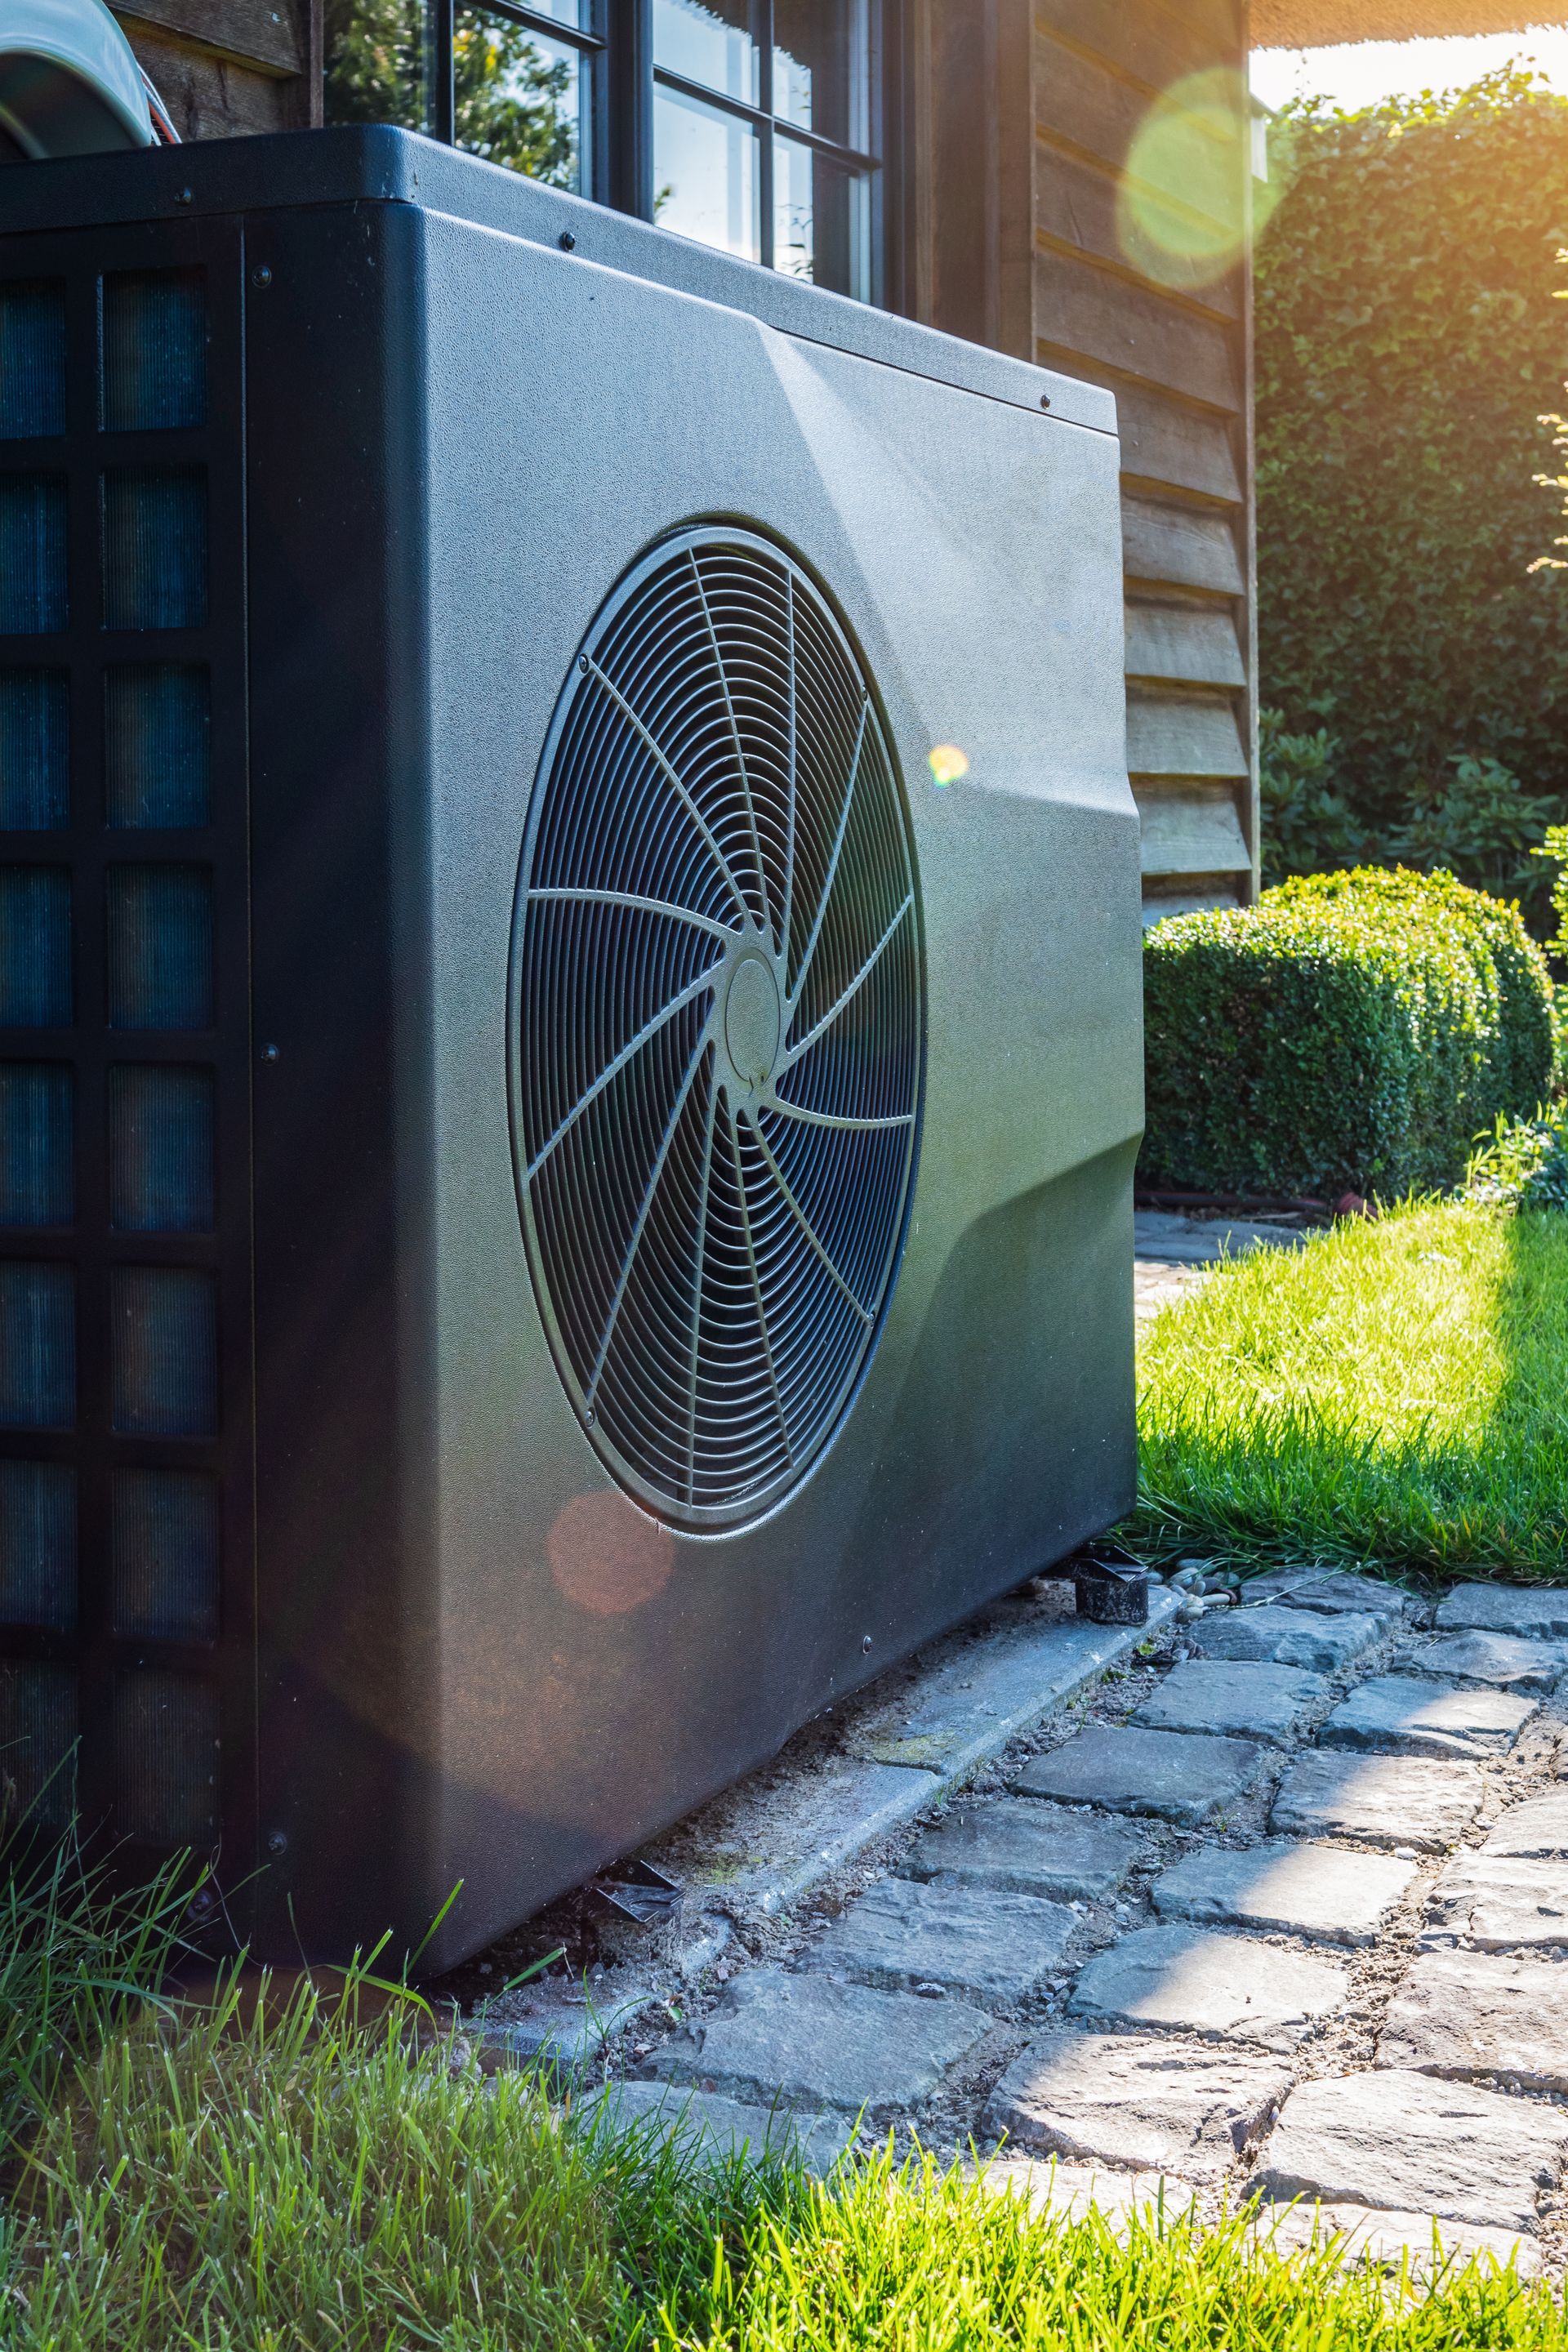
[1353, 1032]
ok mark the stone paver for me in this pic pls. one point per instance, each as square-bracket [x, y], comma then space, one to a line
[713, 2129]
[1416, 2144]
[1416, 2243]
[1170, 1774]
[1500, 1659]
[1500, 1903]
[1479, 2014]
[1028, 1848]
[1380, 1800]
[1122, 2099]
[1074, 2191]
[991, 1948]
[813, 2043]
[1537, 1829]
[1405, 1715]
[1222, 1988]
[1534, 1611]
[1246, 1702]
[1275, 1635]
[1329, 1892]
[1312, 1588]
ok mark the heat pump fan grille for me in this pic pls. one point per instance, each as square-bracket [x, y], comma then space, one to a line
[717, 1027]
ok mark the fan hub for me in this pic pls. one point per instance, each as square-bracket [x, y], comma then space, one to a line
[752, 1021]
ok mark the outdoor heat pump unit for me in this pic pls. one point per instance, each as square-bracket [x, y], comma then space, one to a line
[570, 1064]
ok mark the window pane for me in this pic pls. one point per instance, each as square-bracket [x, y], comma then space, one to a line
[522, 100]
[710, 41]
[376, 62]
[821, 221]
[822, 68]
[705, 175]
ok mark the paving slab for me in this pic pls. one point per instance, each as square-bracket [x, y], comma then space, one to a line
[1329, 1892]
[1238, 1701]
[993, 1948]
[1536, 1830]
[1405, 1715]
[1274, 1635]
[1534, 1612]
[567, 2033]
[1416, 2243]
[713, 2129]
[1181, 2106]
[1380, 1800]
[1028, 1847]
[1070, 2192]
[1502, 1660]
[1499, 1903]
[1479, 2014]
[1222, 1988]
[1415, 2144]
[807, 2042]
[1331, 1592]
[992, 1691]
[1172, 1775]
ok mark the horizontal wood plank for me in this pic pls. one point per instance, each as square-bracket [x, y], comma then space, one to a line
[1156, 45]
[1196, 644]
[1181, 546]
[1135, 330]
[1192, 832]
[1166, 442]
[1077, 207]
[1079, 104]
[264, 33]
[1192, 894]
[1182, 735]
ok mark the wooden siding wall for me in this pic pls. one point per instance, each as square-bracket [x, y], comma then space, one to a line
[1024, 118]
[226, 66]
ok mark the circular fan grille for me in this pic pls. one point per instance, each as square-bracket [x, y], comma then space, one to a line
[717, 1027]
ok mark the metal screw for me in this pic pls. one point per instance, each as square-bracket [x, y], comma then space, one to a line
[277, 1842]
[200, 1904]
[182, 195]
[582, 663]
[866, 1645]
[269, 1053]
[262, 277]
[568, 242]
[1045, 400]
[588, 1417]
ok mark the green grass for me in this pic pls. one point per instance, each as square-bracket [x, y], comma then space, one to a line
[1392, 1396]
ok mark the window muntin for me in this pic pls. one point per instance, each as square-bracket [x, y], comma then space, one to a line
[750, 125]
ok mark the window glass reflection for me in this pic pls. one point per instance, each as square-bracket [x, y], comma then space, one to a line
[521, 100]
[710, 41]
[821, 221]
[821, 61]
[705, 174]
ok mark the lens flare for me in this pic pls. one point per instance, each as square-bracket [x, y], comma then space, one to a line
[948, 763]
[1182, 201]
[607, 1558]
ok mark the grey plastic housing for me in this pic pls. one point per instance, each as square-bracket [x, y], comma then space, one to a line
[457, 436]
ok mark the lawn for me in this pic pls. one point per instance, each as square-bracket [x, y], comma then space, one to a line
[1392, 1396]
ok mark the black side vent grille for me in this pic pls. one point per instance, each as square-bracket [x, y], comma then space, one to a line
[717, 1027]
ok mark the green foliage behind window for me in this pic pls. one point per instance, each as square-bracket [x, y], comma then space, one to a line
[512, 96]
[1410, 348]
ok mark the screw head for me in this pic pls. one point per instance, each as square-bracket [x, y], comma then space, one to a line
[182, 195]
[261, 276]
[865, 1643]
[269, 1053]
[200, 1904]
[568, 242]
[582, 663]
[277, 1842]
[1045, 400]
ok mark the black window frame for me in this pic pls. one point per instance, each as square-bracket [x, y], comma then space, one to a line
[616, 52]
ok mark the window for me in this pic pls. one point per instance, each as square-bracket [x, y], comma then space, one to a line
[752, 125]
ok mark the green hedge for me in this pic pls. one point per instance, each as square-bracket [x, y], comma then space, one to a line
[1353, 1032]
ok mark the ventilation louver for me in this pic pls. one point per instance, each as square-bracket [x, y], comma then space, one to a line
[717, 1027]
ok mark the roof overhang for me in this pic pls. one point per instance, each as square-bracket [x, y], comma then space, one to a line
[1318, 23]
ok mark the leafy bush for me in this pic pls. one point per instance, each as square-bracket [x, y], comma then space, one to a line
[1525, 1162]
[1352, 1032]
[1408, 344]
